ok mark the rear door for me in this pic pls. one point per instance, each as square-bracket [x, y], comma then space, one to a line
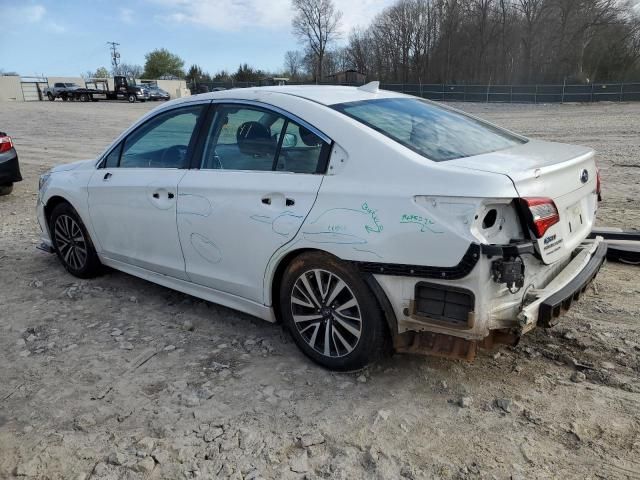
[255, 181]
[133, 196]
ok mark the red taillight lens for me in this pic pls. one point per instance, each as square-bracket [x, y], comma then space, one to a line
[598, 185]
[5, 144]
[542, 214]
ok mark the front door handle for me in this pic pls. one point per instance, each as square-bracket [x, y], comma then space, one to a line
[107, 176]
[290, 202]
[266, 200]
[170, 195]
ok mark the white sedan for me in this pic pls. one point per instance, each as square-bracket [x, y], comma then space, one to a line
[360, 218]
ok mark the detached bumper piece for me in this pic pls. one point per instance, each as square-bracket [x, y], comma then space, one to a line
[552, 307]
[624, 245]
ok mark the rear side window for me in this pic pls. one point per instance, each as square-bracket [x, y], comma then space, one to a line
[434, 132]
[301, 149]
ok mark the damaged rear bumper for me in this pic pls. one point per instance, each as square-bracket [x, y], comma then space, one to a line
[546, 305]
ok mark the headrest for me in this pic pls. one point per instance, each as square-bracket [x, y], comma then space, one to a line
[309, 138]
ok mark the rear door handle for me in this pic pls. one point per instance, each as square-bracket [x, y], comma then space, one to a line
[170, 195]
[156, 195]
[266, 200]
[290, 202]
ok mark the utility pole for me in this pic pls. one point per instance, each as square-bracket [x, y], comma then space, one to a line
[115, 56]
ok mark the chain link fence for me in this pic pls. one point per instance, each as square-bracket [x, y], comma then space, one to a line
[595, 92]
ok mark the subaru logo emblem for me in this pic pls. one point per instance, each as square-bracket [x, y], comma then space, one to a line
[584, 176]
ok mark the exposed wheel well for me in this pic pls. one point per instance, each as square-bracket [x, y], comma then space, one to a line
[51, 204]
[379, 294]
[277, 278]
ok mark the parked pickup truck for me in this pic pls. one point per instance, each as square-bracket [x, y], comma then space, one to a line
[68, 91]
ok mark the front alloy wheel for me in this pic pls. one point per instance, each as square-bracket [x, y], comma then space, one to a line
[70, 242]
[332, 314]
[326, 313]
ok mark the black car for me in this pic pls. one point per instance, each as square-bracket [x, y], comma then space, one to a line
[156, 93]
[9, 168]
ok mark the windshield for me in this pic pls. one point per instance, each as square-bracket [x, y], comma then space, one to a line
[71, 85]
[434, 132]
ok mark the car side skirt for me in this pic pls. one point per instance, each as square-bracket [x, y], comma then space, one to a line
[232, 301]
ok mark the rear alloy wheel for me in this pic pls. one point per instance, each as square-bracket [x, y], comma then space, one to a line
[72, 243]
[331, 313]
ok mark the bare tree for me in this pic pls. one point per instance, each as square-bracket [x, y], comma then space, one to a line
[316, 23]
[129, 70]
[294, 63]
[500, 41]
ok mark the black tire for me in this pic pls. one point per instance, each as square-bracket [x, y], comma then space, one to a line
[64, 98]
[84, 97]
[330, 311]
[132, 98]
[50, 97]
[6, 189]
[70, 237]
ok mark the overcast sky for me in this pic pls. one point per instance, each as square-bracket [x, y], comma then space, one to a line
[68, 37]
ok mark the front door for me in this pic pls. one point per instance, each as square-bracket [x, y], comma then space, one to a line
[133, 197]
[258, 177]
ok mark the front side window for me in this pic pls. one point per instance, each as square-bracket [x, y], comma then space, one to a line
[434, 132]
[251, 138]
[113, 158]
[163, 141]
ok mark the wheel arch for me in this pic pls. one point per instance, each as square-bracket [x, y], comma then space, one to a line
[372, 283]
[52, 203]
[278, 273]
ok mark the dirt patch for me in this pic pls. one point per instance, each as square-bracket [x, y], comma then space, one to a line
[122, 379]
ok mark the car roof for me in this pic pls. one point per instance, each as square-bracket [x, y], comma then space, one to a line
[323, 94]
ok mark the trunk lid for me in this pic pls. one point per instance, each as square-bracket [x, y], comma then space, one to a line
[565, 173]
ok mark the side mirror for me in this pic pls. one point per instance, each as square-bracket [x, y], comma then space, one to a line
[289, 140]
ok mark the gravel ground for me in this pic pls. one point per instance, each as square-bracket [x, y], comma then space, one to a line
[117, 378]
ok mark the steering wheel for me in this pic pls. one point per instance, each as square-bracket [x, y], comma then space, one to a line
[173, 157]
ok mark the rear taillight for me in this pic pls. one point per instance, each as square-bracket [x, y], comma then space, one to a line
[5, 144]
[598, 185]
[542, 214]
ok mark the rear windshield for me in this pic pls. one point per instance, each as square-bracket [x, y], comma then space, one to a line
[434, 132]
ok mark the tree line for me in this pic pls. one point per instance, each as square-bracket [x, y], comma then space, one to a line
[478, 41]
[446, 41]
